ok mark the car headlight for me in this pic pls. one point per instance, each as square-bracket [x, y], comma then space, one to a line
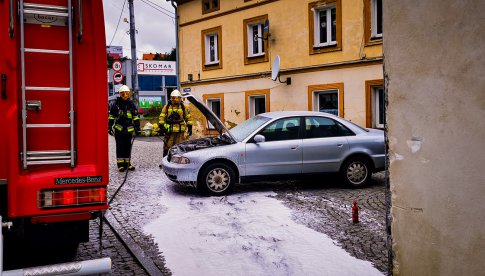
[180, 159]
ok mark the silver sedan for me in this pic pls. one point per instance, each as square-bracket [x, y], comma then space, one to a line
[276, 145]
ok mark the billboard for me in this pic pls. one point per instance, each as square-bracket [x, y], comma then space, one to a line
[156, 67]
[148, 101]
[115, 51]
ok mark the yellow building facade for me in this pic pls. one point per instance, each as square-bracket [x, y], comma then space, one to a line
[330, 57]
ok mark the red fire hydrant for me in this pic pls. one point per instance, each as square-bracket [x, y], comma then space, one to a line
[355, 212]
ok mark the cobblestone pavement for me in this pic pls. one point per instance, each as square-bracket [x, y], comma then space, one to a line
[327, 208]
[320, 204]
[135, 204]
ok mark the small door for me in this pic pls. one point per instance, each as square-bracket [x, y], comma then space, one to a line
[281, 153]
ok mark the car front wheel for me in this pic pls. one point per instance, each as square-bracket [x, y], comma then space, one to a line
[356, 172]
[216, 179]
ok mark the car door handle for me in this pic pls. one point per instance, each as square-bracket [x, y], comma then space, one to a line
[340, 145]
[294, 147]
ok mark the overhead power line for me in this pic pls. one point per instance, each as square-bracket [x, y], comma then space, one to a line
[117, 25]
[154, 6]
[169, 11]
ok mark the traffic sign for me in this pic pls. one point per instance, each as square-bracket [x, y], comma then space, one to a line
[117, 77]
[117, 65]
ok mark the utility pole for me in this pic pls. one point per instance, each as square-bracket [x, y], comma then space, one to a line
[134, 75]
[176, 44]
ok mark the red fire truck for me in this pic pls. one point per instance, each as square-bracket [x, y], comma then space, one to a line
[53, 142]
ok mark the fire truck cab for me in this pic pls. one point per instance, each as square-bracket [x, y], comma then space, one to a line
[53, 142]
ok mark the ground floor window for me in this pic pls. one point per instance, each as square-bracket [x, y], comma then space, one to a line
[215, 106]
[326, 101]
[257, 102]
[379, 107]
[257, 105]
[375, 104]
[327, 98]
[215, 102]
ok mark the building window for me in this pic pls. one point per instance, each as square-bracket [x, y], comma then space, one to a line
[373, 21]
[211, 48]
[325, 26]
[375, 104]
[326, 101]
[379, 107]
[327, 98]
[215, 102]
[376, 18]
[210, 6]
[255, 44]
[150, 83]
[211, 56]
[257, 102]
[255, 39]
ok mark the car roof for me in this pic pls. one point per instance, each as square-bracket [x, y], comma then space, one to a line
[279, 114]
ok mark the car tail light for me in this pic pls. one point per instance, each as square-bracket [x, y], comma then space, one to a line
[72, 197]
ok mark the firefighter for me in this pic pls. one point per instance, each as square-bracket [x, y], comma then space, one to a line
[123, 123]
[174, 120]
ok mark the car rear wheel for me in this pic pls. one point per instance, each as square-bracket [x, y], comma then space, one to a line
[216, 179]
[356, 172]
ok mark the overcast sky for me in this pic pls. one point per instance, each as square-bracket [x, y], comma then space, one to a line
[154, 20]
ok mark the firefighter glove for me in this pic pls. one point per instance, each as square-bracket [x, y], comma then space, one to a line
[189, 127]
[110, 132]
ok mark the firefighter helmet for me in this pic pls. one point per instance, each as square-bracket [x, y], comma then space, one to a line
[175, 96]
[175, 93]
[124, 92]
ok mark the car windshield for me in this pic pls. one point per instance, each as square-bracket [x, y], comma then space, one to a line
[241, 131]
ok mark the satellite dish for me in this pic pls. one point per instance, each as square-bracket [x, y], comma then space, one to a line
[275, 69]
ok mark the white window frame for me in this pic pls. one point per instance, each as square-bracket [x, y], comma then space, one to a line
[374, 17]
[255, 38]
[208, 48]
[252, 108]
[316, 29]
[316, 99]
[376, 106]
[209, 103]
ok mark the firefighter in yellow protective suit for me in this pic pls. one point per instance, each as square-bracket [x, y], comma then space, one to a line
[123, 123]
[174, 120]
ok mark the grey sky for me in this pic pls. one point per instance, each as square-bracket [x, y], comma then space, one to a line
[156, 30]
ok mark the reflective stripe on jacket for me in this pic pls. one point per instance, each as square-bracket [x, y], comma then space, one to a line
[123, 115]
[175, 118]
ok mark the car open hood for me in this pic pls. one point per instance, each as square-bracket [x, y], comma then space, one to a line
[209, 115]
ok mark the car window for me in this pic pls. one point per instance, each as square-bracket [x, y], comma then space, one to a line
[241, 131]
[321, 127]
[282, 129]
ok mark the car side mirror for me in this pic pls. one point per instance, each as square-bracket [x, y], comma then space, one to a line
[259, 138]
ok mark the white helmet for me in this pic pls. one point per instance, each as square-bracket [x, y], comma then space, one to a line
[175, 93]
[124, 88]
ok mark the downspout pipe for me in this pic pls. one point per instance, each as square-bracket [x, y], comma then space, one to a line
[176, 43]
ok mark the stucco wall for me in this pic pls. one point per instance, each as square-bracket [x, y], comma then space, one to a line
[295, 96]
[435, 63]
[289, 27]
